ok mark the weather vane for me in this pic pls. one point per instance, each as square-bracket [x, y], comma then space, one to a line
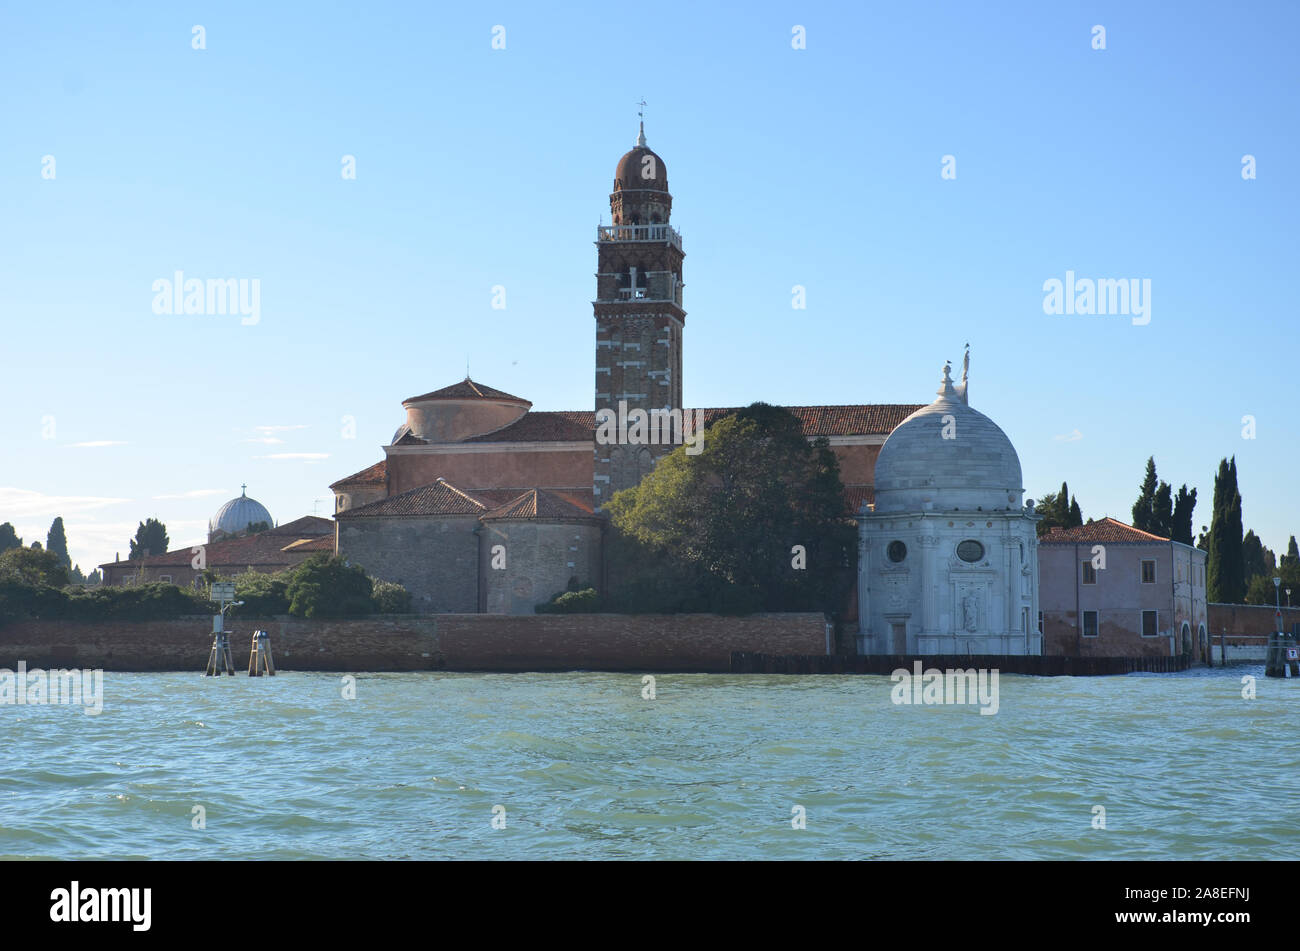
[641, 111]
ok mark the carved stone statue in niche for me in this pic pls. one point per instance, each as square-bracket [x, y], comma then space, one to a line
[970, 611]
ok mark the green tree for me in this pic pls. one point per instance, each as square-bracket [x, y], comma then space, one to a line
[263, 595]
[1076, 514]
[1225, 576]
[1144, 507]
[94, 578]
[1162, 511]
[150, 539]
[1252, 558]
[9, 538]
[56, 540]
[1292, 556]
[33, 567]
[1181, 524]
[327, 586]
[1054, 507]
[755, 521]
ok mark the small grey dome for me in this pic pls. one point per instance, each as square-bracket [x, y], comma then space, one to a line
[237, 514]
[948, 457]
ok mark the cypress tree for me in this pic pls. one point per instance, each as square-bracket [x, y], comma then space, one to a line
[1292, 557]
[56, 540]
[1226, 582]
[9, 538]
[1181, 527]
[1162, 512]
[1076, 514]
[1144, 507]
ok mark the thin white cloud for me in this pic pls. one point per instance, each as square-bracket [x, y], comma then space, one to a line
[295, 455]
[269, 440]
[28, 503]
[194, 494]
[96, 443]
[267, 430]
[1069, 437]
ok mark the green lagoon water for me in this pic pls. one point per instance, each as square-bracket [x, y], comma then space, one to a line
[285, 768]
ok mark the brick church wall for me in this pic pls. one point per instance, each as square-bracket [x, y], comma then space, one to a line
[504, 468]
[435, 558]
[540, 558]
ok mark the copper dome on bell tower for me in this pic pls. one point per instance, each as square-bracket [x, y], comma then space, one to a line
[640, 195]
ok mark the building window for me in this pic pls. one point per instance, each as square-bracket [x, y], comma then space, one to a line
[1148, 571]
[896, 551]
[166, 579]
[1150, 623]
[1089, 623]
[1089, 572]
[1040, 622]
[970, 551]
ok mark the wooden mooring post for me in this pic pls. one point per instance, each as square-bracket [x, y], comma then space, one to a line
[259, 658]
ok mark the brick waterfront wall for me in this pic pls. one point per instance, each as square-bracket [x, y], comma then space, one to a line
[653, 642]
[1248, 619]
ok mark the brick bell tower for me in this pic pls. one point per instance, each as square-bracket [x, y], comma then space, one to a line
[639, 315]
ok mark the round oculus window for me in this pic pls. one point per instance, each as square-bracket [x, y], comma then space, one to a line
[896, 551]
[970, 550]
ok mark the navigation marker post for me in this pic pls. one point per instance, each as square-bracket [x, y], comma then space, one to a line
[219, 660]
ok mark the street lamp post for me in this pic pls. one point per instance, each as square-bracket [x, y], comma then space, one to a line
[1277, 588]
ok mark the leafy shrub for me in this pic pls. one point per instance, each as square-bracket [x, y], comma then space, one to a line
[263, 595]
[586, 601]
[326, 586]
[150, 602]
[391, 598]
[33, 566]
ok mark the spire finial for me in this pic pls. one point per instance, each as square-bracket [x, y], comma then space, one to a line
[243, 490]
[640, 136]
[946, 389]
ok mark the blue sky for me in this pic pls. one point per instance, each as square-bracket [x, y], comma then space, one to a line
[476, 167]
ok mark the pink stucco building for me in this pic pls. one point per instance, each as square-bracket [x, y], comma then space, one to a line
[1109, 589]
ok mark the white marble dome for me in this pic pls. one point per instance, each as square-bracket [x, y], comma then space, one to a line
[976, 469]
[236, 515]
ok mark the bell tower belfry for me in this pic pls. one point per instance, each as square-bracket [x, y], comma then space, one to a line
[639, 317]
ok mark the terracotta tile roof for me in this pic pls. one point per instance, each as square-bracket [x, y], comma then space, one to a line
[436, 498]
[309, 526]
[539, 503]
[859, 419]
[556, 426]
[371, 475]
[467, 389]
[262, 549]
[577, 425]
[855, 495]
[1102, 530]
[321, 543]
